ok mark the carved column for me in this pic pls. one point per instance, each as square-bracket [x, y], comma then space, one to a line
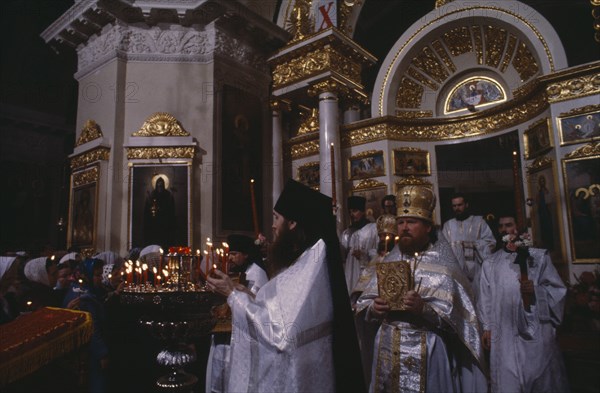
[277, 144]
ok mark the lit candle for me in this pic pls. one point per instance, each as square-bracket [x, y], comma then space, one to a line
[154, 272]
[207, 263]
[160, 264]
[333, 190]
[396, 239]
[387, 238]
[29, 303]
[254, 214]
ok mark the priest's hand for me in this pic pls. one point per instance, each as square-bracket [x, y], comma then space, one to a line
[379, 308]
[486, 339]
[527, 287]
[220, 283]
[413, 302]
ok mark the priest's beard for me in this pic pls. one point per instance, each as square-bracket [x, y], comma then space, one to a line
[462, 216]
[285, 249]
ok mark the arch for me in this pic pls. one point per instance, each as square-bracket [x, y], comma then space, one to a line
[539, 38]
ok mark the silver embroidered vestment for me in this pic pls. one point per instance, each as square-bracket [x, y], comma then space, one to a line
[281, 340]
[411, 353]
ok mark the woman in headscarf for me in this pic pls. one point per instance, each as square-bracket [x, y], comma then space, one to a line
[8, 279]
[91, 295]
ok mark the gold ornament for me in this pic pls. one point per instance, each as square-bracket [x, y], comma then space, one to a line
[415, 201]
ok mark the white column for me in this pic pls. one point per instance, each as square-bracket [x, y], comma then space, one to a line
[329, 132]
[277, 157]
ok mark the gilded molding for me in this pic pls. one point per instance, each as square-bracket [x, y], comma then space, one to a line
[440, 3]
[409, 94]
[345, 11]
[429, 64]
[98, 154]
[539, 163]
[413, 73]
[305, 149]
[524, 62]
[411, 149]
[441, 52]
[317, 61]
[366, 153]
[478, 40]
[574, 88]
[87, 176]
[510, 50]
[300, 21]
[412, 181]
[161, 124]
[160, 152]
[309, 164]
[368, 184]
[498, 118]
[329, 85]
[589, 150]
[458, 40]
[90, 131]
[310, 124]
[413, 114]
[581, 111]
[495, 41]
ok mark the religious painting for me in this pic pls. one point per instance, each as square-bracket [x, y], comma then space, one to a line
[580, 128]
[545, 211]
[308, 174]
[241, 161]
[83, 209]
[582, 182]
[411, 161]
[366, 164]
[474, 93]
[373, 192]
[160, 205]
[537, 139]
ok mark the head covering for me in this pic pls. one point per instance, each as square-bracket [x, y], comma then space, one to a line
[5, 264]
[309, 208]
[241, 243]
[35, 271]
[313, 211]
[87, 269]
[72, 256]
[386, 223]
[416, 201]
[357, 203]
[112, 261]
[151, 255]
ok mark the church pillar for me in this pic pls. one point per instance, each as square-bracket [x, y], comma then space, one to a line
[351, 113]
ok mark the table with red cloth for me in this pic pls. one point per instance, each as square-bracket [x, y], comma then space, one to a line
[34, 340]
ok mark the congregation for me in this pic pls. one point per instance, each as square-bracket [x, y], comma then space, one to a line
[399, 304]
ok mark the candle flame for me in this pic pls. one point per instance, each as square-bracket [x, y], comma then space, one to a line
[154, 270]
[198, 252]
[207, 239]
[225, 245]
[209, 244]
[160, 250]
[137, 263]
[109, 275]
[251, 180]
[29, 302]
[331, 144]
[214, 266]
[158, 278]
[52, 257]
[165, 273]
[205, 252]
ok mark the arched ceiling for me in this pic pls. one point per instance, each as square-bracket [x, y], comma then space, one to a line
[382, 22]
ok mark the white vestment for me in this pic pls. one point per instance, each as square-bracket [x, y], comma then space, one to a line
[524, 356]
[281, 340]
[472, 242]
[364, 239]
[439, 351]
[217, 370]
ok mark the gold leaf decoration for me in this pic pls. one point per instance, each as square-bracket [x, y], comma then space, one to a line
[84, 159]
[90, 131]
[161, 124]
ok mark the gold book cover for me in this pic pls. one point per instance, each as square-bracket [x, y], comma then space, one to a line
[394, 280]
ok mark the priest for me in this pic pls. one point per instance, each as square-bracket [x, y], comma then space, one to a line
[297, 334]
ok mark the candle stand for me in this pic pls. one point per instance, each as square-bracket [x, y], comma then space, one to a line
[175, 313]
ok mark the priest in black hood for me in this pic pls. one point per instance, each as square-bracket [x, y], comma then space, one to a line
[297, 334]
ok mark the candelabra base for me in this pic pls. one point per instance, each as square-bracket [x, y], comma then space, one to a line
[177, 379]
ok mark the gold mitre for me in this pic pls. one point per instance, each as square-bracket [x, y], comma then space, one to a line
[416, 201]
[386, 223]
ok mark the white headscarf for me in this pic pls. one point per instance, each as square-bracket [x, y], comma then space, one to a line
[151, 255]
[35, 270]
[110, 259]
[70, 256]
[5, 264]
